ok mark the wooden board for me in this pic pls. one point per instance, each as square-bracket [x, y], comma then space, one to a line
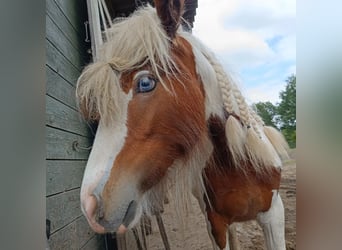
[58, 115]
[59, 145]
[66, 55]
[76, 13]
[58, 17]
[60, 64]
[95, 243]
[60, 89]
[58, 39]
[63, 175]
[73, 236]
[63, 208]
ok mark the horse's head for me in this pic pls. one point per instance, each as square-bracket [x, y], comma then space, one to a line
[150, 105]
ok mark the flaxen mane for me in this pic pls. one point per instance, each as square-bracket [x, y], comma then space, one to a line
[139, 40]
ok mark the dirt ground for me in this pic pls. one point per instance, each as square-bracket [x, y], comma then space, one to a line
[193, 235]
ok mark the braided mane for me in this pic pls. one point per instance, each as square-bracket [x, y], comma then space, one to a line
[248, 137]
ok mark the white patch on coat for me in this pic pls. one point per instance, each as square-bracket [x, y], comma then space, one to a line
[273, 224]
[213, 96]
[109, 140]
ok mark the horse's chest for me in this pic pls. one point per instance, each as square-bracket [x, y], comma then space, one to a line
[237, 197]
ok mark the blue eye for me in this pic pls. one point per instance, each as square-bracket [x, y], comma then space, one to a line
[145, 84]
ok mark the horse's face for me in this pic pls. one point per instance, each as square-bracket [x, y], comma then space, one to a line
[154, 128]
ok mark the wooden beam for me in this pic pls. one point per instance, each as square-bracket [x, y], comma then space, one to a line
[95, 27]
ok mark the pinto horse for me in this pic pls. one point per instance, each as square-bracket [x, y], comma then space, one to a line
[168, 113]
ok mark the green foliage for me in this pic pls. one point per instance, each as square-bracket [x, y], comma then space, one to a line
[282, 115]
[287, 111]
[268, 113]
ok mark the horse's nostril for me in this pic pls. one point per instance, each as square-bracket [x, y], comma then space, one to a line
[100, 213]
[99, 207]
[90, 206]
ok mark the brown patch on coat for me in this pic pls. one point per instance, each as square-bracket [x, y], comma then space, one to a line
[235, 195]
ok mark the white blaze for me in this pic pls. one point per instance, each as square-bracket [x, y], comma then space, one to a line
[109, 140]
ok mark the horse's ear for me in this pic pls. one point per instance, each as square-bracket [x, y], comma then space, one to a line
[169, 12]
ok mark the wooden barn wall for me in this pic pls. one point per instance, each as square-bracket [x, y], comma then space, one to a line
[65, 57]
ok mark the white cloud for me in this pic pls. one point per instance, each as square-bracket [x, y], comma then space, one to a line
[265, 92]
[286, 48]
[249, 34]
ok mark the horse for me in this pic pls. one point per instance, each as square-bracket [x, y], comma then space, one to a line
[168, 113]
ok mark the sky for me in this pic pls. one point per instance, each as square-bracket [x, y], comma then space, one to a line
[254, 39]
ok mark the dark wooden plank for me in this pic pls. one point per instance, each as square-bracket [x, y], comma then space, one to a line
[59, 88]
[55, 13]
[61, 116]
[58, 62]
[58, 39]
[63, 175]
[63, 208]
[59, 145]
[73, 236]
[76, 13]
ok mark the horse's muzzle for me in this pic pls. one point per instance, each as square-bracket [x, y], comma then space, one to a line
[93, 208]
[119, 226]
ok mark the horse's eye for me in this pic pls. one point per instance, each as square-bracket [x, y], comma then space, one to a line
[145, 84]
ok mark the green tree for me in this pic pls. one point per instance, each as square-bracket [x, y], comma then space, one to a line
[268, 112]
[283, 114]
[287, 111]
